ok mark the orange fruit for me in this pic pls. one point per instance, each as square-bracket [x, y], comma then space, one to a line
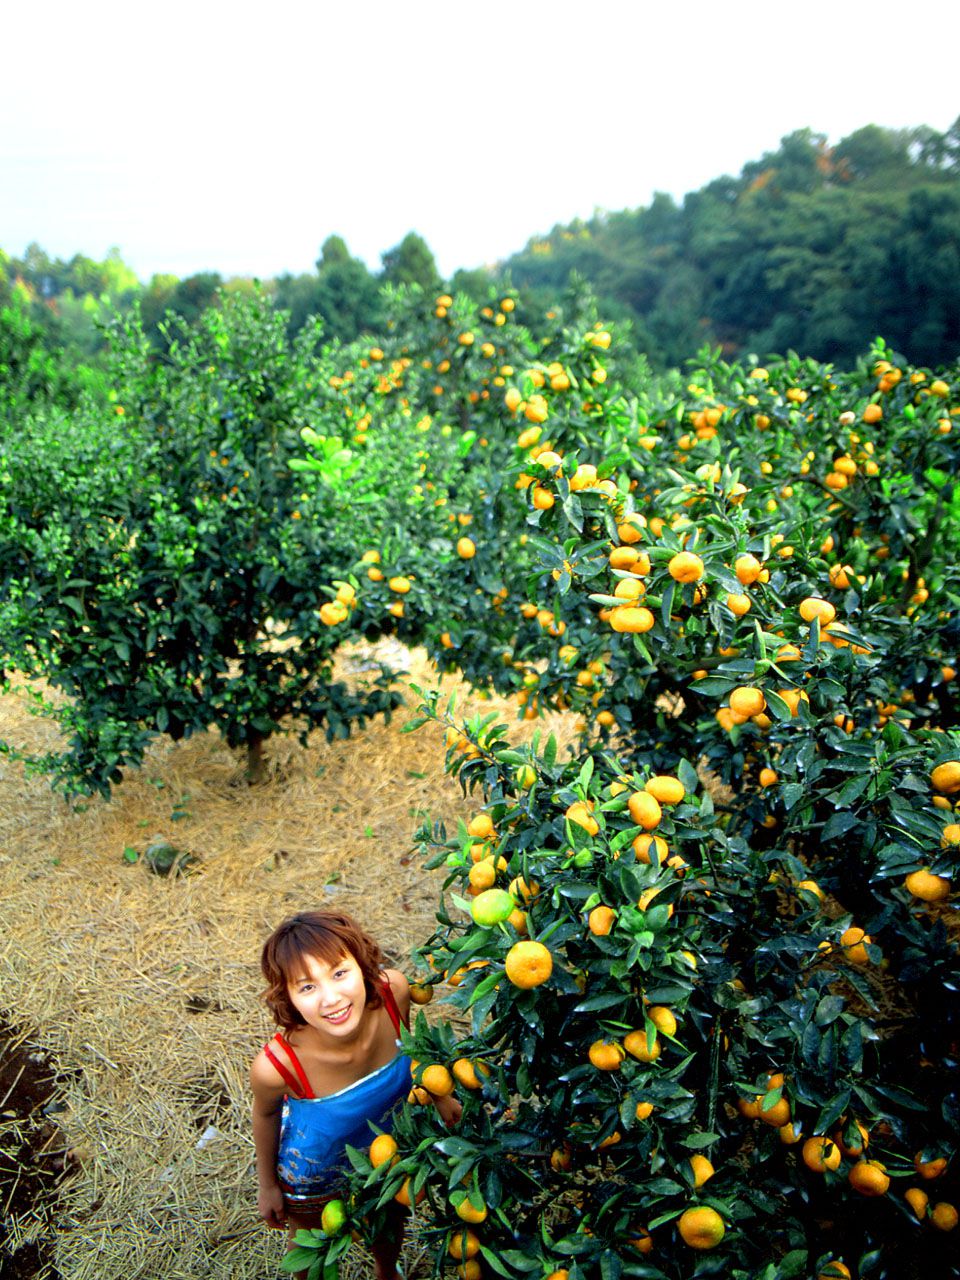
[869, 1177]
[468, 1073]
[644, 1110]
[665, 788]
[421, 992]
[643, 1243]
[528, 964]
[471, 1269]
[399, 584]
[628, 619]
[685, 567]
[768, 777]
[702, 1169]
[645, 810]
[606, 1055]
[492, 906]
[701, 1227]
[946, 777]
[641, 847]
[820, 1154]
[944, 1216]
[436, 1079]
[462, 1245]
[580, 814]
[466, 548]
[468, 1212]
[918, 1201]
[637, 1045]
[929, 1169]
[854, 942]
[480, 826]
[561, 1158]
[382, 1149]
[833, 1270]
[852, 1139]
[600, 920]
[747, 568]
[813, 607]
[739, 605]
[663, 1019]
[926, 886]
[403, 1195]
[747, 701]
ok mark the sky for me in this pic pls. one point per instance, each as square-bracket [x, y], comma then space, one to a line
[236, 138]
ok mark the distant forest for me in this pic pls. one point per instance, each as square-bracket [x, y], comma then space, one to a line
[813, 247]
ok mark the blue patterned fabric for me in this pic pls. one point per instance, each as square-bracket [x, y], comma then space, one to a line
[314, 1131]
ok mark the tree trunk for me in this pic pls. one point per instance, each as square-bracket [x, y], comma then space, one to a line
[256, 765]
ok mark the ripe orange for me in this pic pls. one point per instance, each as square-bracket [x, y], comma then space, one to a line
[820, 1154]
[468, 1212]
[606, 1055]
[480, 826]
[600, 920]
[701, 1227]
[665, 788]
[382, 1149]
[946, 777]
[944, 1216]
[580, 814]
[436, 1079]
[561, 1158]
[466, 548]
[855, 942]
[739, 605]
[685, 567]
[462, 1245]
[471, 1269]
[813, 607]
[926, 886]
[628, 619]
[747, 701]
[747, 568]
[918, 1201]
[528, 964]
[869, 1177]
[702, 1169]
[421, 992]
[644, 1110]
[852, 1138]
[768, 777]
[929, 1169]
[637, 1045]
[403, 1195]
[641, 847]
[663, 1019]
[645, 810]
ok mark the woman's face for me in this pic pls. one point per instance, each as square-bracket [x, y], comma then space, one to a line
[331, 998]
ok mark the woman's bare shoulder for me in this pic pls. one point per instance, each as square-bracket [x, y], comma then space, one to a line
[265, 1079]
[400, 988]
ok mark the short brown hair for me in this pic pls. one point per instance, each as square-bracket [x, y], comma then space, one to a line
[328, 936]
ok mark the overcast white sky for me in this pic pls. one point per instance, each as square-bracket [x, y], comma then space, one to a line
[232, 137]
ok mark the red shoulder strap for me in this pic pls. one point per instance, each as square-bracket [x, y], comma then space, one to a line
[301, 1084]
[390, 1004]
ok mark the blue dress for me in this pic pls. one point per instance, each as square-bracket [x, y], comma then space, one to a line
[311, 1160]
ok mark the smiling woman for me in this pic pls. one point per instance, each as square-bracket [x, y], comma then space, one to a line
[337, 1071]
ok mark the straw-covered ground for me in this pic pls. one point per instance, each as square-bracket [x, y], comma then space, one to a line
[141, 993]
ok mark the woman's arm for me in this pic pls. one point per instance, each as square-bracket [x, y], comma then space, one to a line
[268, 1091]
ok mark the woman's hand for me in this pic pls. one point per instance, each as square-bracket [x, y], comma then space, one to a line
[449, 1109]
[270, 1206]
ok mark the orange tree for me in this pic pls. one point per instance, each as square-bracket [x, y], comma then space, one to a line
[709, 963]
[159, 555]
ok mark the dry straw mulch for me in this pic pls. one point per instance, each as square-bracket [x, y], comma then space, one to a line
[144, 990]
